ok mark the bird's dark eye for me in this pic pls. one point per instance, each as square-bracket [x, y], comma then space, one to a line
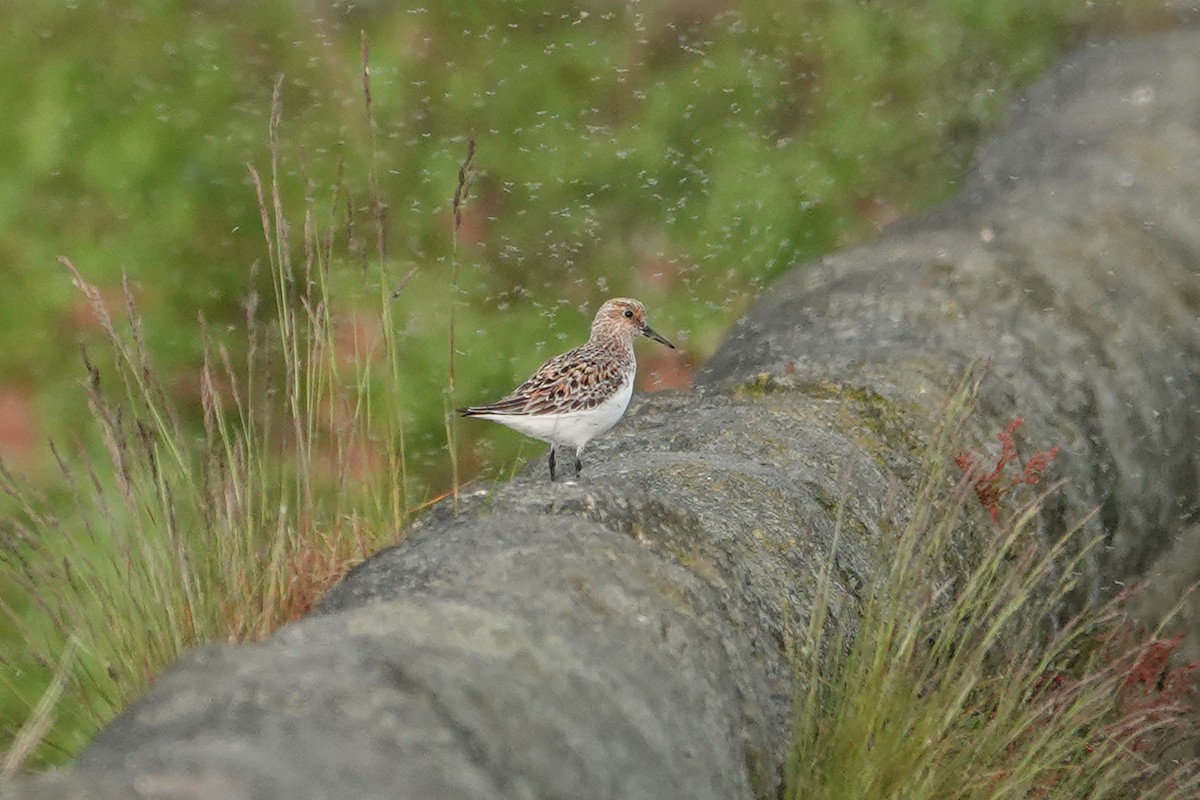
[629, 313]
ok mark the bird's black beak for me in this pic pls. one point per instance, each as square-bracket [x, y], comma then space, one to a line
[648, 331]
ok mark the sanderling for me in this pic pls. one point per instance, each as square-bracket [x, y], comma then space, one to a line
[575, 397]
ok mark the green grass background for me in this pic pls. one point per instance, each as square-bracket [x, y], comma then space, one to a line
[685, 153]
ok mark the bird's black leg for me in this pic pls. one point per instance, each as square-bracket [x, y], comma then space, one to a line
[552, 463]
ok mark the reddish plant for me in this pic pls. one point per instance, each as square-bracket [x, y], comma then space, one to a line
[308, 568]
[1153, 696]
[1157, 688]
[991, 486]
[314, 568]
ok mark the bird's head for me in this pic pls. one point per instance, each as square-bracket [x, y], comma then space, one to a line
[625, 318]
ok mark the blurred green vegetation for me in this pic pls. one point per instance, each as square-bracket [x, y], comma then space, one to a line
[682, 153]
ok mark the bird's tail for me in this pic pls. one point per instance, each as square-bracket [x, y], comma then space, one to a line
[509, 405]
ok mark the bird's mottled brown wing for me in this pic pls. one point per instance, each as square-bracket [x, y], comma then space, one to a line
[577, 380]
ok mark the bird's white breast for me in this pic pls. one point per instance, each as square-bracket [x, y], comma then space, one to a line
[572, 428]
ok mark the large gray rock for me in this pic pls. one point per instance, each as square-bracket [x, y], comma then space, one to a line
[627, 636]
[1070, 262]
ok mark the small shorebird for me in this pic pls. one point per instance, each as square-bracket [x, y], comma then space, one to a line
[575, 397]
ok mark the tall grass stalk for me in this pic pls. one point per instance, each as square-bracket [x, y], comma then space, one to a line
[965, 688]
[461, 191]
[177, 533]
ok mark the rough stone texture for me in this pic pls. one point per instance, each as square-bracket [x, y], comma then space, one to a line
[627, 636]
[1070, 261]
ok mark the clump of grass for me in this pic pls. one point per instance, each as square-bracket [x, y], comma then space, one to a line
[166, 538]
[968, 689]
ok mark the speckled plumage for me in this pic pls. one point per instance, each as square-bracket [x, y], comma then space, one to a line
[576, 396]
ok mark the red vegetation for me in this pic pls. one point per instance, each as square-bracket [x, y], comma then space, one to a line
[313, 569]
[310, 564]
[1152, 711]
[991, 486]
[1155, 691]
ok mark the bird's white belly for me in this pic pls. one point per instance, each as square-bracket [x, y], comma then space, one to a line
[574, 428]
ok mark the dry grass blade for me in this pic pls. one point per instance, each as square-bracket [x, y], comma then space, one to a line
[42, 716]
[365, 59]
[461, 191]
[399, 289]
[463, 188]
[378, 206]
